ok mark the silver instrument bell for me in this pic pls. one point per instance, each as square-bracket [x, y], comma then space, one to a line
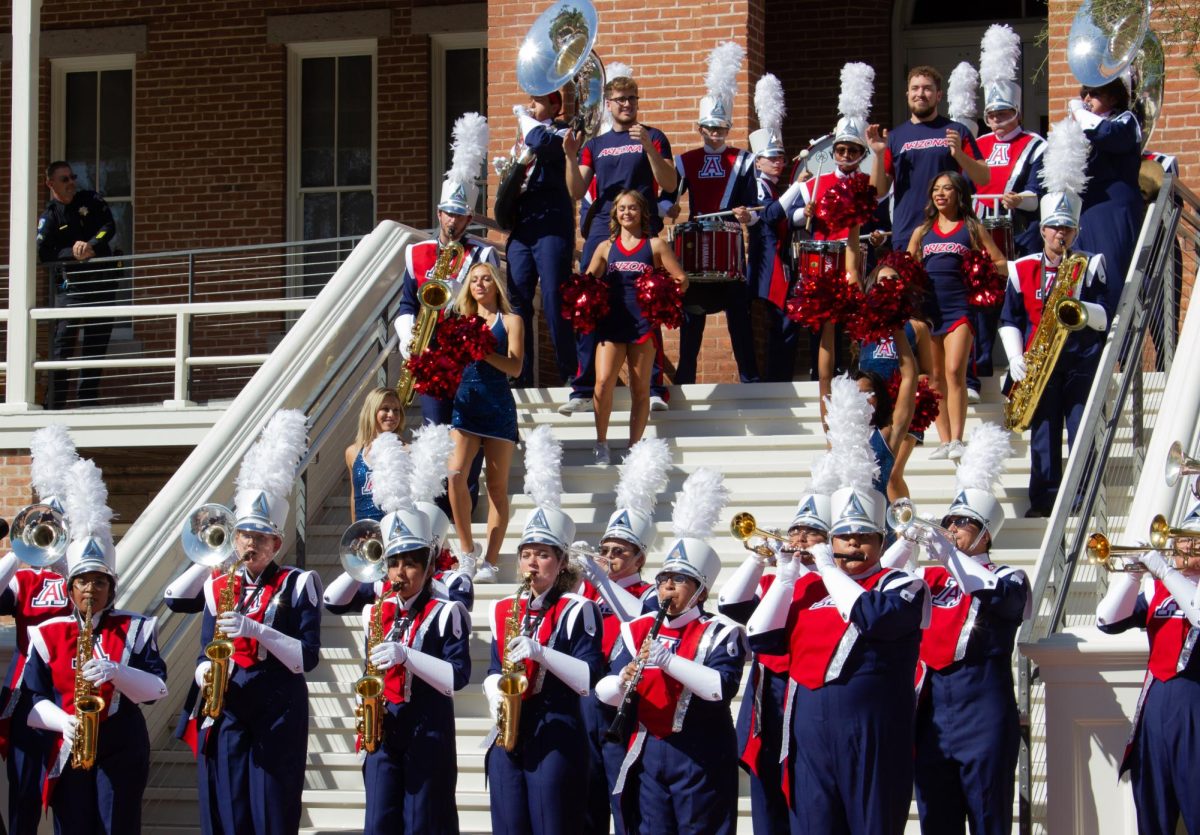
[208, 535]
[361, 551]
[39, 535]
[558, 51]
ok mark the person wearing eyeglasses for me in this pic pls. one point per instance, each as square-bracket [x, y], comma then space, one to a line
[630, 156]
[75, 227]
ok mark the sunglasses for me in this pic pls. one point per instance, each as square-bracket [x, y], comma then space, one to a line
[959, 522]
[676, 577]
[614, 551]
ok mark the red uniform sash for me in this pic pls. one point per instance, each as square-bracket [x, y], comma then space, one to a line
[817, 634]
[257, 603]
[1002, 158]
[61, 638]
[395, 679]
[709, 177]
[544, 633]
[953, 614]
[1169, 632]
[659, 693]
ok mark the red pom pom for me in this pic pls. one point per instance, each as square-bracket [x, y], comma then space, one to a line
[925, 411]
[461, 341]
[985, 284]
[848, 202]
[890, 301]
[584, 301]
[446, 560]
[824, 299]
[660, 299]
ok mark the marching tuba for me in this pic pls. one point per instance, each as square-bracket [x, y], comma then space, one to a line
[435, 296]
[558, 50]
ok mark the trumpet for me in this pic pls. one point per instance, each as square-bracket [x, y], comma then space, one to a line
[1161, 533]
[39, 535]
[1179, 465]
[744, 526]
[902, 517]
[1116, 559]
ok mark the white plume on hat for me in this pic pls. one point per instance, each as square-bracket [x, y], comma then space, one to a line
[1064, 164]
[89, 520]
[698, 505]
[768, 104]
[724, 63]
[470, 142]
[983, 461]
[52, 454]
[858, 86]
[848, 415]
[825, 477]
[543, 468]
[617, 69]
[644, 475]
[270, 465]
[962, 97]
[430, 452]
[391, 473]
[1000, 54]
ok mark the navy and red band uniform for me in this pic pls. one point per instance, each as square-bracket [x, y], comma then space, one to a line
[410, 778]
[1015, 164]
[1065, 394]
[252, 759]
[942, 254]
[717, 182]
[770, 271]
[848, 720]
[625, 322]
[968, 732]
[1112, 202]
[32, 596]
[542, 245]
[760, 724]
[536, 787]
[108, 797]
[680, 773]
[448, 584]
[916, 153]
[1163, 749]
[617, 163]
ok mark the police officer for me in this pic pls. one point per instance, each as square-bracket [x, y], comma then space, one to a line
[75, 227]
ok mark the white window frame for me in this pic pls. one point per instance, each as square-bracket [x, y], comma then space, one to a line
[297, 52]
[439, 141]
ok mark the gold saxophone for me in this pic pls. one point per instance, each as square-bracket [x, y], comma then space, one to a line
[1061, 315]
[513, 681]
[369, 687]
[434, 296]
[219, 650]
[88, 702]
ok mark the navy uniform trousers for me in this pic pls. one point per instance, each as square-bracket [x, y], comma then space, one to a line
[24, 766]
[410, 776]
[604, 764]
[768, 806]
[531, 256]
[681, 792]
[1164, 756]
[113, 786]
[1062, 405]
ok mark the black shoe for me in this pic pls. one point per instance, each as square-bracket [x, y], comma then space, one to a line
[1037, 513]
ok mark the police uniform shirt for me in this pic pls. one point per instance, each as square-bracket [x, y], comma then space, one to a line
[86, 218]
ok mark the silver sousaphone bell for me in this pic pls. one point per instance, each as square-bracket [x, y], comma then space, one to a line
[361, 551]
[1179, 465]
[208, 535]
[557, 51]
[39, 535]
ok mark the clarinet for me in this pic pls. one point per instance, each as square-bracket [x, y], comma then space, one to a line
[616, 731]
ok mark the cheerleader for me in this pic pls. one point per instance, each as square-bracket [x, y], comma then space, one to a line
[949, 232]
[623, 337]
[558, 648]
[1162, 748]
[32, 596]
[104, 797]
[381, 412]
[680, 774]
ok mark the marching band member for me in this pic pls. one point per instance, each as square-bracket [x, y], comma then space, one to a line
[455, 210]
[949, 231]
[381, 412]
[542, 243]
[1014, 159]
[1030, 281]
[909, 156]
[680, 774]
[251, 758]
[96, 772]
[1111, 216]
[760, 720]
[552, 637]
[965, 768]
[624, 336]
[32, 596]
[718, 178]
[417, 642]
[852, 630]
[622, 595]
[1162, 745]
[630, 156]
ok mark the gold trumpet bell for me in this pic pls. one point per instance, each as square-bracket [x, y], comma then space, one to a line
[743, 526]
[1117, 559]
[1161, 533]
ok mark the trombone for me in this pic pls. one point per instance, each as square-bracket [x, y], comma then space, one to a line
[1179, 465]
[743, 526]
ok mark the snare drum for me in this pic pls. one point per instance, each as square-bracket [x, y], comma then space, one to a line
[819, 259]
[709, 250]
[1001, 229]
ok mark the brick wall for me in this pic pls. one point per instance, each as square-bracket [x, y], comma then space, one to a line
[15, 491]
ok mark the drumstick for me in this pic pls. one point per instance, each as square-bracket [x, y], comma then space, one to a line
[726, 213]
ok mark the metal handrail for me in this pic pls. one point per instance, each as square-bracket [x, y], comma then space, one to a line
[1118, 395]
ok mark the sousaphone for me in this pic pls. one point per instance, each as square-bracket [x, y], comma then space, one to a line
[557, 51]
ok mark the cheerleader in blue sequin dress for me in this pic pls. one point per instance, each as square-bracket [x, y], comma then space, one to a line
[381, 412]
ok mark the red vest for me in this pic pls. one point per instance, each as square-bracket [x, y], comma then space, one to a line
[111, 640]
[545, 631]
[1168, 630]
[1030, 282]
[257, 607]
[423, 256]
[659, 694]
[1005, 160]
[611, 623]
[944, 641]
[41, 594]
[712, 178]
[395, 680]
[818, 637]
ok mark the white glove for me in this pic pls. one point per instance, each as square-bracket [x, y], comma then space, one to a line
[1154, 562]
[201, 671]
[787, 569]
[389, 654]
[491, 692]
[1073, 105]
[100, 670]
[523, 647]
[404, 329]
[1014, 347]
[236, 625]
[939, 547]
[520, 110]
[1086, 118]
[823, 556]
[1016, 368]
[660, 655]
[50, 717]
[1097, 316]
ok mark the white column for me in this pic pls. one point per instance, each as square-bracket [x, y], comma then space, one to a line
[22, 278]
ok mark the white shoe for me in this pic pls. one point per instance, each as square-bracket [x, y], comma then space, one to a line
[487, 573]
[956, 450]
[468, 563]
[601, 454]
[575, 404]
[972, 396]
[657, 404]
[941, 453]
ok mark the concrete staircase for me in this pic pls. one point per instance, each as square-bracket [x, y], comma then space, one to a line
[762, 437]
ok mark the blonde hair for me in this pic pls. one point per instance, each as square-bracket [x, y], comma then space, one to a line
[367, 431]
[465, 303]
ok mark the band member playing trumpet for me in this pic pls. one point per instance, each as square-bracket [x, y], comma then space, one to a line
[251, 755]
[546, 641]
[85, 675]
[1162, 749]
[680, 773]
[31, 596]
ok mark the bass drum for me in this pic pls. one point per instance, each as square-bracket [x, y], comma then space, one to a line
[817, 159]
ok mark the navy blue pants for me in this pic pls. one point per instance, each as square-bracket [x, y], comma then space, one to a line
[1062, 405]
[783, 336]
[437, 411]
[968, 738]
[1164, 757]
[410, 778]
[25, 771]
[669, 793]
[540, 787]
[983, 322]
[768, 806]
[736, 304]
[851, 757]
[547, 258]
[601, 805]
[107, 798]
